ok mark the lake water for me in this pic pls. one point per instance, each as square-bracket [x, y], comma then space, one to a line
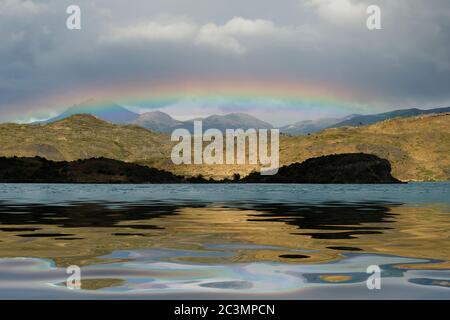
[225, 241]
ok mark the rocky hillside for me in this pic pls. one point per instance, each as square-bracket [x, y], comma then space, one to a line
[83, 137]
[417, 147]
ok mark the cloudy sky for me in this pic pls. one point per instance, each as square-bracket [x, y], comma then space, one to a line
[283, 61]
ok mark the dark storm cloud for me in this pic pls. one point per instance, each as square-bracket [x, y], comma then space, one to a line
[405, 64]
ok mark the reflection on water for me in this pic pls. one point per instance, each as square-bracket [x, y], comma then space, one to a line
[333, 220]
[150, 248]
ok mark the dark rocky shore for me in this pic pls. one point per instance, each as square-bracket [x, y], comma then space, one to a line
[338, 168]
[94, 170]
[342, 168]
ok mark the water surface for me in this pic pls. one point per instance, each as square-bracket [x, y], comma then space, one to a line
[225, 241]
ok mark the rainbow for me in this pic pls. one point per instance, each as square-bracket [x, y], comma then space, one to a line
[154, 95]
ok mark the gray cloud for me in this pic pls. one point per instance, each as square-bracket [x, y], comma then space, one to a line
[405, 64]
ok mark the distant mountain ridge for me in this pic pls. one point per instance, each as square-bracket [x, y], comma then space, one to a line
[364, 120]
[159, 121]
[162, 122]
[229, 121]
[107, 111]
[312, 126]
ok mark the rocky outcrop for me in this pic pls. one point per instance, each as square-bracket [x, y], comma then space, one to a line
[339, 168]
[94, 170]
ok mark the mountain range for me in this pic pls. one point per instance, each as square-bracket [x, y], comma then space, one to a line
[108, 111]
[417, 147]
[162, 122]
[364, 120]
[159, 121]
[311, 126]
